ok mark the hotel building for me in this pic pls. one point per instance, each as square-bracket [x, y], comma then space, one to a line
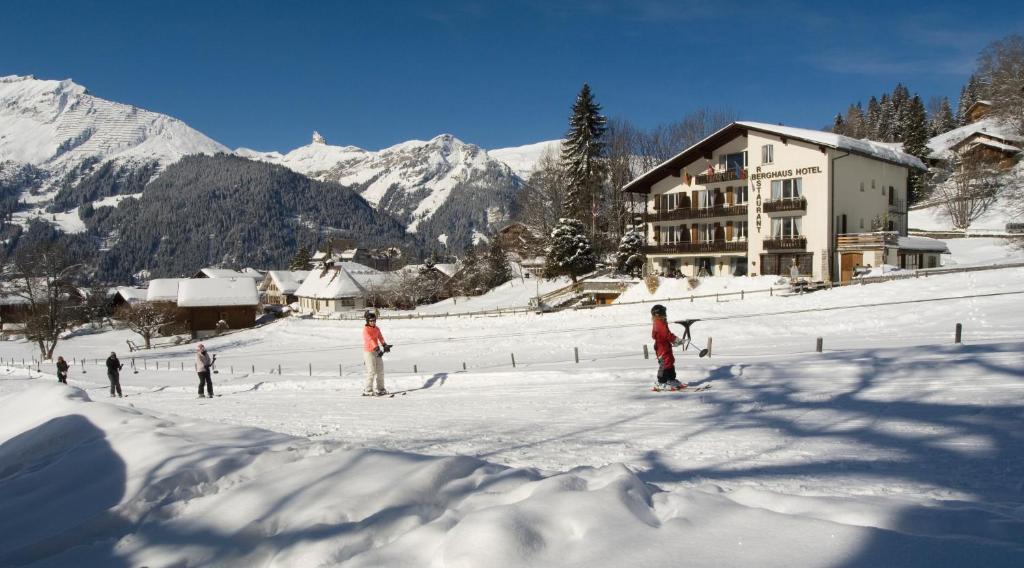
[755, 199]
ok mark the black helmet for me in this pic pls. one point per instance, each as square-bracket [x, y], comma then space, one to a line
[659, 310]
[370, 316]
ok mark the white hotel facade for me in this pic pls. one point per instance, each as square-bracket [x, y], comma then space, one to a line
[754, 198]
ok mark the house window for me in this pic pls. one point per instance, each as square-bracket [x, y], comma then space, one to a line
[862, 186]
[892, 195]
[872, 184]
[787, 189]
[740, 195]
[732, 162]
[706, 232]
[739, 231]
[684, 234]
[707, 199]
[862, 222]
[768, 154]
[786, 227]
[670, 237]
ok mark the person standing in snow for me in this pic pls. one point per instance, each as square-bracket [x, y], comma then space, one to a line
[663, 342]
[62, 370]
[114, 374]
[203, 364]
[374, 348]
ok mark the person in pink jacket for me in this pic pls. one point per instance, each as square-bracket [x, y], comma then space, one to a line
[374, 348]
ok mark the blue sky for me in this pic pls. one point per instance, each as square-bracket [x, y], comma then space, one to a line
[266, 74]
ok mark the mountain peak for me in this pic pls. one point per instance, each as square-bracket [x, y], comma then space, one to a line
[318, 139]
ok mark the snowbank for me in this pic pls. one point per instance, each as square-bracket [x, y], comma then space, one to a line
[680, 287]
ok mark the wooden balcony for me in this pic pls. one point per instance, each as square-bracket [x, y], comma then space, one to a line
[860, 241]
[799, 204]
[697, 248]
[785, 243]
[716, 177]
[688, 213]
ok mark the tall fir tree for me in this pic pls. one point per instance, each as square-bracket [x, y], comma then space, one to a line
[839, 124]
[583, 158]
[969, 94]
[301, 260]
[498, 269]
[630, 257]
[943, 121]
[886, 119]
[569, 251]
[915, 142]
[874, 116]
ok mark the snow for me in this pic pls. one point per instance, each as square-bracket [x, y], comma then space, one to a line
[132, 295]
[982, 251]
[922, 243]
[228, 273]
[330, 283]
[941, 145]
[879, 150]
[515, 294]
[288, 281]
[523, 159]
[205, 292]
[680, 287]
[115, 200]
[163, 289]
[68, 221]
[894, 447]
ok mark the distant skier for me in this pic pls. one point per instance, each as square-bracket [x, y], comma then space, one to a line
[374, 348]
[663, 342]
[203, 364]
[62, 370]
[114, 374]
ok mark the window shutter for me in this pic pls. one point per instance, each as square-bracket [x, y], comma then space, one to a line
[657, 202]
[657, 235]
[729, 198]
[728, 229]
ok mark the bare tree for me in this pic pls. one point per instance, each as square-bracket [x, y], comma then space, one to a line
[971, 190]
[146, 319]
[1001, 72]
[543, 195]
[41, 274]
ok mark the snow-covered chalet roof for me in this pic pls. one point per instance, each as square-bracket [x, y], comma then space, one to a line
[923, 244]
[991, 127]
[132, 295]
[978, 141]
[163, 290]
[208, 292]
[330, 284]
[223, 273]
[875, 150]
[288, 281]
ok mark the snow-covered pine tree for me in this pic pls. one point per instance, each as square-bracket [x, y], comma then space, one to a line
[874, 116]
[471, 275]
[583, 157]
[915, 141]
[301, 260]
[943, 120]
[630, 257]
[838, 124]
[969, 94]
[498, 269]
[886, 119]
[569, 251]
[855, 123]
[900, 111]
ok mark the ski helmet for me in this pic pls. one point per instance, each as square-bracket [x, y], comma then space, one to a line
[659, 310]
[370, 316]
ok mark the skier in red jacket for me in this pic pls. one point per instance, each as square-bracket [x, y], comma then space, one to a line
[663, 342]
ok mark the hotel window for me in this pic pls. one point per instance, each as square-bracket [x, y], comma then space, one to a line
[683, 233]
[787, 189]
[706, 232]
[862, 186]
[740, 195]
[862, 222]
[706, 199]
[670, 237]
[739, 231]
[872, 184]
[767, 154]
[785, 227]
[730, 162]
[892, 195]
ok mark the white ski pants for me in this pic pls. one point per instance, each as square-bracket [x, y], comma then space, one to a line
[374, 372]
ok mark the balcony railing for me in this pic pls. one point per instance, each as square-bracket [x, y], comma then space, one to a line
[688, 213]
[725, 175]
[799, 204]
[786, 243]
[694, 248]
[868, 240]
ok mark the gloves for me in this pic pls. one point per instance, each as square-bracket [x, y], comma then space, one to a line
[378, 351]
[387, 348]
[678, 342]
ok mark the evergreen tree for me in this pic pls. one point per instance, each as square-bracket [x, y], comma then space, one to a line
[498, 269]
[915, 142]
[943, 121]
[469, 280]
[969, 94]
[583, 157]
[900, 112]
[871, 130]
[630, 258]
[855, 122]
[301, 260]
[569, 252]
[838, 124]
[886, 120]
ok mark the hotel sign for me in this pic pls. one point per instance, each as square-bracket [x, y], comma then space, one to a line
[792, 172]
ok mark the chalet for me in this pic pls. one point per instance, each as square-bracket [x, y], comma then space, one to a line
[205, 302]
[516, 238]
[163, 290]
[331, 289]
[127, 296]
[279, 286]
[228, 273]
[978, 110]
[757, 198]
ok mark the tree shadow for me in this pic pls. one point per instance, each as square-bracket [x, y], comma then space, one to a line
[969, 454]
[59, 485]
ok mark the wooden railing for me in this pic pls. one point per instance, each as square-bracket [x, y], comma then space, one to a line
[786, 243]
[715, 177]
[867, 240]
[799, 204]
[688, 213]
[701, 247]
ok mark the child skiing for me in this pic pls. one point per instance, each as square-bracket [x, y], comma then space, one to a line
[114, 367]
[62, 370]
[203, 364]
[374, 348]
[663, 342]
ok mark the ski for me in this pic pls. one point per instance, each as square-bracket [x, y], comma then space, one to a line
[699, 388]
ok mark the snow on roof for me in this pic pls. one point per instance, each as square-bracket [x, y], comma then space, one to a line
[923, 243]
[163, 290]
[879, 150]
[288, 281]
[992, 144]
[132, 295]
[223, 273]
[206, 292]
[447, 268]
[940, 145]
[330, 284]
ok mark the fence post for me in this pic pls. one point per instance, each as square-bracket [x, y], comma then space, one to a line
[646, 354]
[415, 369]
[709, 346]
[819, 346]
[771, 291]
[278, 368]
[463, 365]
[311, 369]
[576, 353]
[232, 367]
[959, 330]
[691, 298]
[741, 294]
[513, 360]
[254, 368]
[340, 373]
[182, 365]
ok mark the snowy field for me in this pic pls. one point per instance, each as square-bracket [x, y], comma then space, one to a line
[894, 447]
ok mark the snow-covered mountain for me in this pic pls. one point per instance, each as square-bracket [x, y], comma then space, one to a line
[438, 186]
[58, 127]
[523, 159]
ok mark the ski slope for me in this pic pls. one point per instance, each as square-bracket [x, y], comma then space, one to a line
[894, 447]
